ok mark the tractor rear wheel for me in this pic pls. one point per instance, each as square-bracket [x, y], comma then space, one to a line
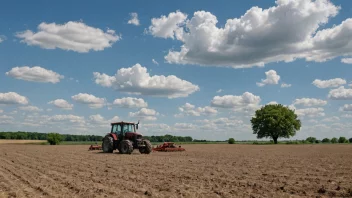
[147, 149]
[108, 144]
[126, 147]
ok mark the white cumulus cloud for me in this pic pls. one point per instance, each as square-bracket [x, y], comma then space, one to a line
[129, 102]
[30, 108]
[346, 60]
[190, 110]
[91, 100]
[329, 83]
[247, 99]
[136, 80]
[12, 98]
[308, 102]
[62, 104]
[272, 78]
[310, 112]
[134, 19]
[168, 26]
[35, 74]
[292, 29]
[346, 107]
[340, 94]
[75, 36]
[145, 114]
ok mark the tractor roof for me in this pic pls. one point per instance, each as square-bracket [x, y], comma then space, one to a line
[123, 123]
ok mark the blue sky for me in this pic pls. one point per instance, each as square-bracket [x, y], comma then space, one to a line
[61, 65]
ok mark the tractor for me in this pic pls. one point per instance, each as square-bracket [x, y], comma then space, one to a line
[124, 137]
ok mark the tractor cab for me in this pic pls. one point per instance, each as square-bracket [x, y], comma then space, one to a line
[125, 130]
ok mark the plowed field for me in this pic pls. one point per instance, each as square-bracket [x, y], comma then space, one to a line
[201, 171]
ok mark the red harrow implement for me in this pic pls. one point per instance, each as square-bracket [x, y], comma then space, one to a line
[95, 147]
[168, 147]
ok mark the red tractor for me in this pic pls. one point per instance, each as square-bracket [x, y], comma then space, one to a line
[125, 139]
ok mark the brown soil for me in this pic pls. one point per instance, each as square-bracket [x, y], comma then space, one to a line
[21, 141]
[201, 171]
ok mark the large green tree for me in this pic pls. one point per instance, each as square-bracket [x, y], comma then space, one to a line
[275, 121]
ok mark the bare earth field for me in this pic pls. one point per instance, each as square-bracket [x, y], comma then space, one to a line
[202, 171]
[21, 141]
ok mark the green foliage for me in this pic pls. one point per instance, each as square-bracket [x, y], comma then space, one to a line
[326, 140]
[350, 140]
[54, 138]
[275, 121]
[311, 139]
[231, 141]
[43, 136]
[342, 140]
[334, 140]
[317, 141]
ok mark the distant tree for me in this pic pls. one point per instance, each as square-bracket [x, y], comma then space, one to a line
[317, 141]
[311, 139]
[54, 138]
[342, 140]
[231, 141]
[350, 140]
[275, 121]
[326, 140]
[334, 140]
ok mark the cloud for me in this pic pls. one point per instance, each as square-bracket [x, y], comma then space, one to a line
[331, 119]
[101, 121]
[340, 94]
[231, 101]
[92, 101]
[310, 112]
[271, 79]
[145, 114]
[155, 62]
[74, 36]
[62, 104]
[346, 107]
[346, 60]
[1, 111]
[284, 85]
[69, 117]
[329, 83]
[190, 110]
[287, 31]
[30, 108]
[134, 19]
[10, 98]
[272, 102]
[184, 126]
[308, 102]
[219, 91]
[35, 74]
[168, 26]
[2, 38]
[347, 116]
[129, 102]
[136, 80]
[4, 119]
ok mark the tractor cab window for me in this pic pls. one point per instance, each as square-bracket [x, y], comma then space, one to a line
[116, 129]
[128, 128]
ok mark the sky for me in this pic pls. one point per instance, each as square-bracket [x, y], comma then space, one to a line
[199, 68]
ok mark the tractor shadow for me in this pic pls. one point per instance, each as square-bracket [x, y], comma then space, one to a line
[117, 153]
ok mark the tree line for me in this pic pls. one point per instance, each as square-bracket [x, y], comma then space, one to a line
[169, 138]
[44, 136]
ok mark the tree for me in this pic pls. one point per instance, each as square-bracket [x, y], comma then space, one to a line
[311, 139]
[54, 138]
[326, 140]
[350, 140]
[231, 141]
[342, 140]
[275, 121]
[334, 140]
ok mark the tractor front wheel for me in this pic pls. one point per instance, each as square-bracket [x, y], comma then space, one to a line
[126, 147]
[107, 145]
[147, 148]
